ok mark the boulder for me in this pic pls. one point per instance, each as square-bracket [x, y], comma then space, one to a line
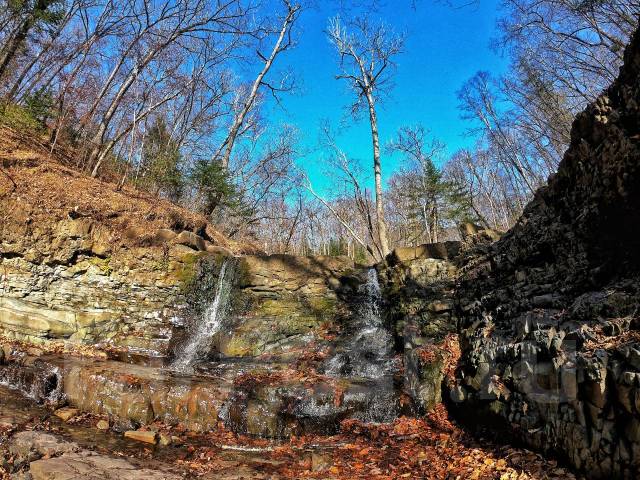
[145, 436]
[66, 413]
[440, 251]
[102, 425]
[30, 445]
[191, 240]
[164, 235]
[91, 466]
[216, 249]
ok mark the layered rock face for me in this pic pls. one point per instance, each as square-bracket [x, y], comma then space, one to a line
[66, 281]
[84, 261]
[549, 314]
[284, 303]
[418, 286]
[260, 372]
[132, 275]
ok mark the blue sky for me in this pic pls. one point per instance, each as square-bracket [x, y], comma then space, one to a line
[444, 47]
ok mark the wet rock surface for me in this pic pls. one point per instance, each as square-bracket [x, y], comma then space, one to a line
[36, 446]
[261, 399]
[408, 448]
[283, 304]
[548, 314]
[262, 369]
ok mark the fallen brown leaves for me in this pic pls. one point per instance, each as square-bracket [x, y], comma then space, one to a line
[451, 346]
[448, 350]
[51, 186]
[430, 448]
[605, 342]
[433, 447]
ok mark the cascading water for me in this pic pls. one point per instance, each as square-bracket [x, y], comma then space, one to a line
[368, 350]
[41, 381]
[365, 360]
[199, 339]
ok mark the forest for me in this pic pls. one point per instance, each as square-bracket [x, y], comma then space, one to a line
[175, 98]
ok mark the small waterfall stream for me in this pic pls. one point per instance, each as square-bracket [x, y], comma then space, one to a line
[199, 336]
[365, 360]
[368, 351]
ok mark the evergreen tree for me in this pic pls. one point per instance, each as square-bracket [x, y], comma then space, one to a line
[39, 106]
[434, 202]
[216, 190]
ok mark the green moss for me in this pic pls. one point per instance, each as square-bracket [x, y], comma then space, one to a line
[243, 273]
[161, 265]
[497, 408]
[187, 271]
[104, 264]
[240, 346]
[323, 306]
[18, 117]
[305, 310]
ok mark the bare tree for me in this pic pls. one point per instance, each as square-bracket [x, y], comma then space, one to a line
[341, 218]
[367, 54]
[576, 46]
[26, 16]
[154, 31]
[283, 42]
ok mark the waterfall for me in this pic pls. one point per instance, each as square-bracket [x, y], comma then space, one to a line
[367, 352]
[209, 324]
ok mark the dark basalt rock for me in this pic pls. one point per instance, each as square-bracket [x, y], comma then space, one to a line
[548, 315]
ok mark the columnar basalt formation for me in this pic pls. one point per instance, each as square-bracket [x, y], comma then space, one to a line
[549, 314]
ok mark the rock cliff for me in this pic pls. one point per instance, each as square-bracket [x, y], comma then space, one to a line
[548, 315]
[83, 261]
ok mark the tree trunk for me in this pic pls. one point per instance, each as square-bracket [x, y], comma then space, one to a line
[435, 222]
[11, 48]
[377, 171]
[13, 45]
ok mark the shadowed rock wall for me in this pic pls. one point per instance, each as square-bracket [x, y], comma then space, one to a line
[549, 314]
[418, 285]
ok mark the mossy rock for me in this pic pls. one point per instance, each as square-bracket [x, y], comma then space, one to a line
[103, 264]
[302, 308]
[194, 268]
[252, 336]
